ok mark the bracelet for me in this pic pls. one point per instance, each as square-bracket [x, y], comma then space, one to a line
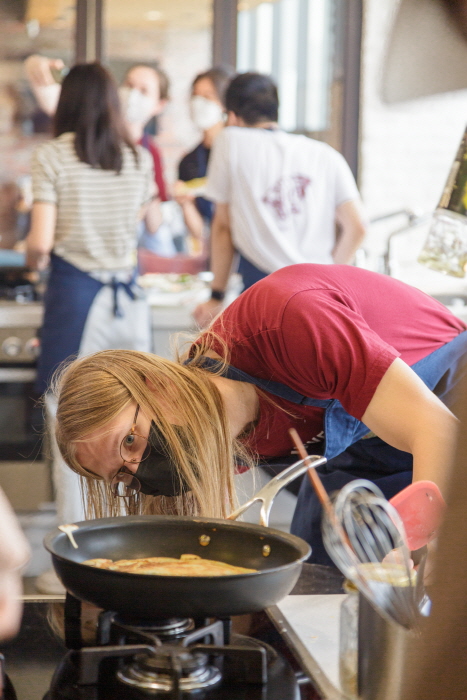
[217, 295]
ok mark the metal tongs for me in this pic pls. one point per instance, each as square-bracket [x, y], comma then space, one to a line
[268, 493]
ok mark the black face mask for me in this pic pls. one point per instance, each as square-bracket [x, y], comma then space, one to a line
[158, 474]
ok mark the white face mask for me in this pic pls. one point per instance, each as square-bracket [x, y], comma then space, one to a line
[205, 113]
[136, 107]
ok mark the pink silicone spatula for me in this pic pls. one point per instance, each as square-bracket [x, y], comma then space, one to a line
[421, 507]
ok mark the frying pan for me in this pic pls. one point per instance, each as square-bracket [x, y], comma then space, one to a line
[276, 556]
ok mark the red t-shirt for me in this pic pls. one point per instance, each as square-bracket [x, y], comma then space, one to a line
[327, 331]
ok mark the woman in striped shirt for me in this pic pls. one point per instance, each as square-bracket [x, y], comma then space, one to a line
[90, 187]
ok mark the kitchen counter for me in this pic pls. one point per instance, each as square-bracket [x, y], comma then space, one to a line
[308, 621]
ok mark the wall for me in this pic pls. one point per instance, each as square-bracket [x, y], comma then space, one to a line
[406, 148]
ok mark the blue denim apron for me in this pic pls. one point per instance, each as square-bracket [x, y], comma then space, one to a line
[349, 455]
[67, 301]
[250, 273]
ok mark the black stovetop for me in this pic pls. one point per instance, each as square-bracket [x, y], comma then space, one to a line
[35, 655]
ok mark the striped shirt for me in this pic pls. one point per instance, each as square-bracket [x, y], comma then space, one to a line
[97, 210]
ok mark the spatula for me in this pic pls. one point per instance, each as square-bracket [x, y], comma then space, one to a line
[421, 508]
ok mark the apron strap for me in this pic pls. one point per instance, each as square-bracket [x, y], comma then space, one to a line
[127, 288]
[275, 388]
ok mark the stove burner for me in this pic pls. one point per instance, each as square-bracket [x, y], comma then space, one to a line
[21, 293]
[173, 628]
[170, 668]
[170, 659]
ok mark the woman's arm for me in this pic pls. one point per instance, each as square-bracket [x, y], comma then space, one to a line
[352, 223]
[40, 239]
[222, 256]
[151, 214]
[193, 219]
[407, 415]
[46, 89]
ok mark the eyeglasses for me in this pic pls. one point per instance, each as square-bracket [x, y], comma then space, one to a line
[134, 449]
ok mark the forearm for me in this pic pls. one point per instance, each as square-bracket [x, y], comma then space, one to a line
[347, 245]
[433, 453]
[407, 415]
[46, 90]
[222, 254]
[40, 239]
[352, 223]
[193, 219]
[152, 216]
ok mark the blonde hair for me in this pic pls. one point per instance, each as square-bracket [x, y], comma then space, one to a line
[92, 391]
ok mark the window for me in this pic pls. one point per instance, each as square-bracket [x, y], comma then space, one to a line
[304, 45]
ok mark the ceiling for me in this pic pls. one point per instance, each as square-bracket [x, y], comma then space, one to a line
[122, 14]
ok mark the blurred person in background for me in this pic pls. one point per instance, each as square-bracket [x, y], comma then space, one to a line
[438, 669]
[280, 198]
[91, 185]
[144, 94]
[14, 554]
[207, 113]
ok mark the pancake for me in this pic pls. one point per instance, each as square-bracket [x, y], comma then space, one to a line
[187, 565]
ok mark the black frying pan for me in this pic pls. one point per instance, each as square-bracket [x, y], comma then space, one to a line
[159, 597]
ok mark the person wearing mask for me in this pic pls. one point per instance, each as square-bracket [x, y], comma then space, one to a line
[144, 94]
[90, 186]
[279, 198]
[207, 113]
[362, 365]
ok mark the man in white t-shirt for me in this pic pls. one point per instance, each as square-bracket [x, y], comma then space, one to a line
[280, 198]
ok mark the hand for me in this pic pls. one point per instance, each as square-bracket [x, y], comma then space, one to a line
[39, 69]
[396, 557]
[14, 553]
[37, 261]
[204, 313]
[182, 194]
[11, 606]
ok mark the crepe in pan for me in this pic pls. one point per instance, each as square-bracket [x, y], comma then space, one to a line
[187, 565]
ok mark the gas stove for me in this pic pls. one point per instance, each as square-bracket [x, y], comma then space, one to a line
[174, 658]
[171, 659]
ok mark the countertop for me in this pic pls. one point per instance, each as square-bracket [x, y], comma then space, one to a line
[308, 620]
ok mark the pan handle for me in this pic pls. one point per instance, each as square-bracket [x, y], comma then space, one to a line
[268, 493]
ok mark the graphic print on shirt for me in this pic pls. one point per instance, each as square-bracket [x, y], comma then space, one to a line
[287, 194]
[309, 443]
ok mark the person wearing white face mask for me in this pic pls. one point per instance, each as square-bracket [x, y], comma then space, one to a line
[144, 94]
[137, 106]
[207, 113]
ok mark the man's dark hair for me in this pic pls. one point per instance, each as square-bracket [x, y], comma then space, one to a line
[253, 97]
[89, 107]
[219, 77]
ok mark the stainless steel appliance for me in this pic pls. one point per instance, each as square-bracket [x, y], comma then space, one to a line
[20, 320]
